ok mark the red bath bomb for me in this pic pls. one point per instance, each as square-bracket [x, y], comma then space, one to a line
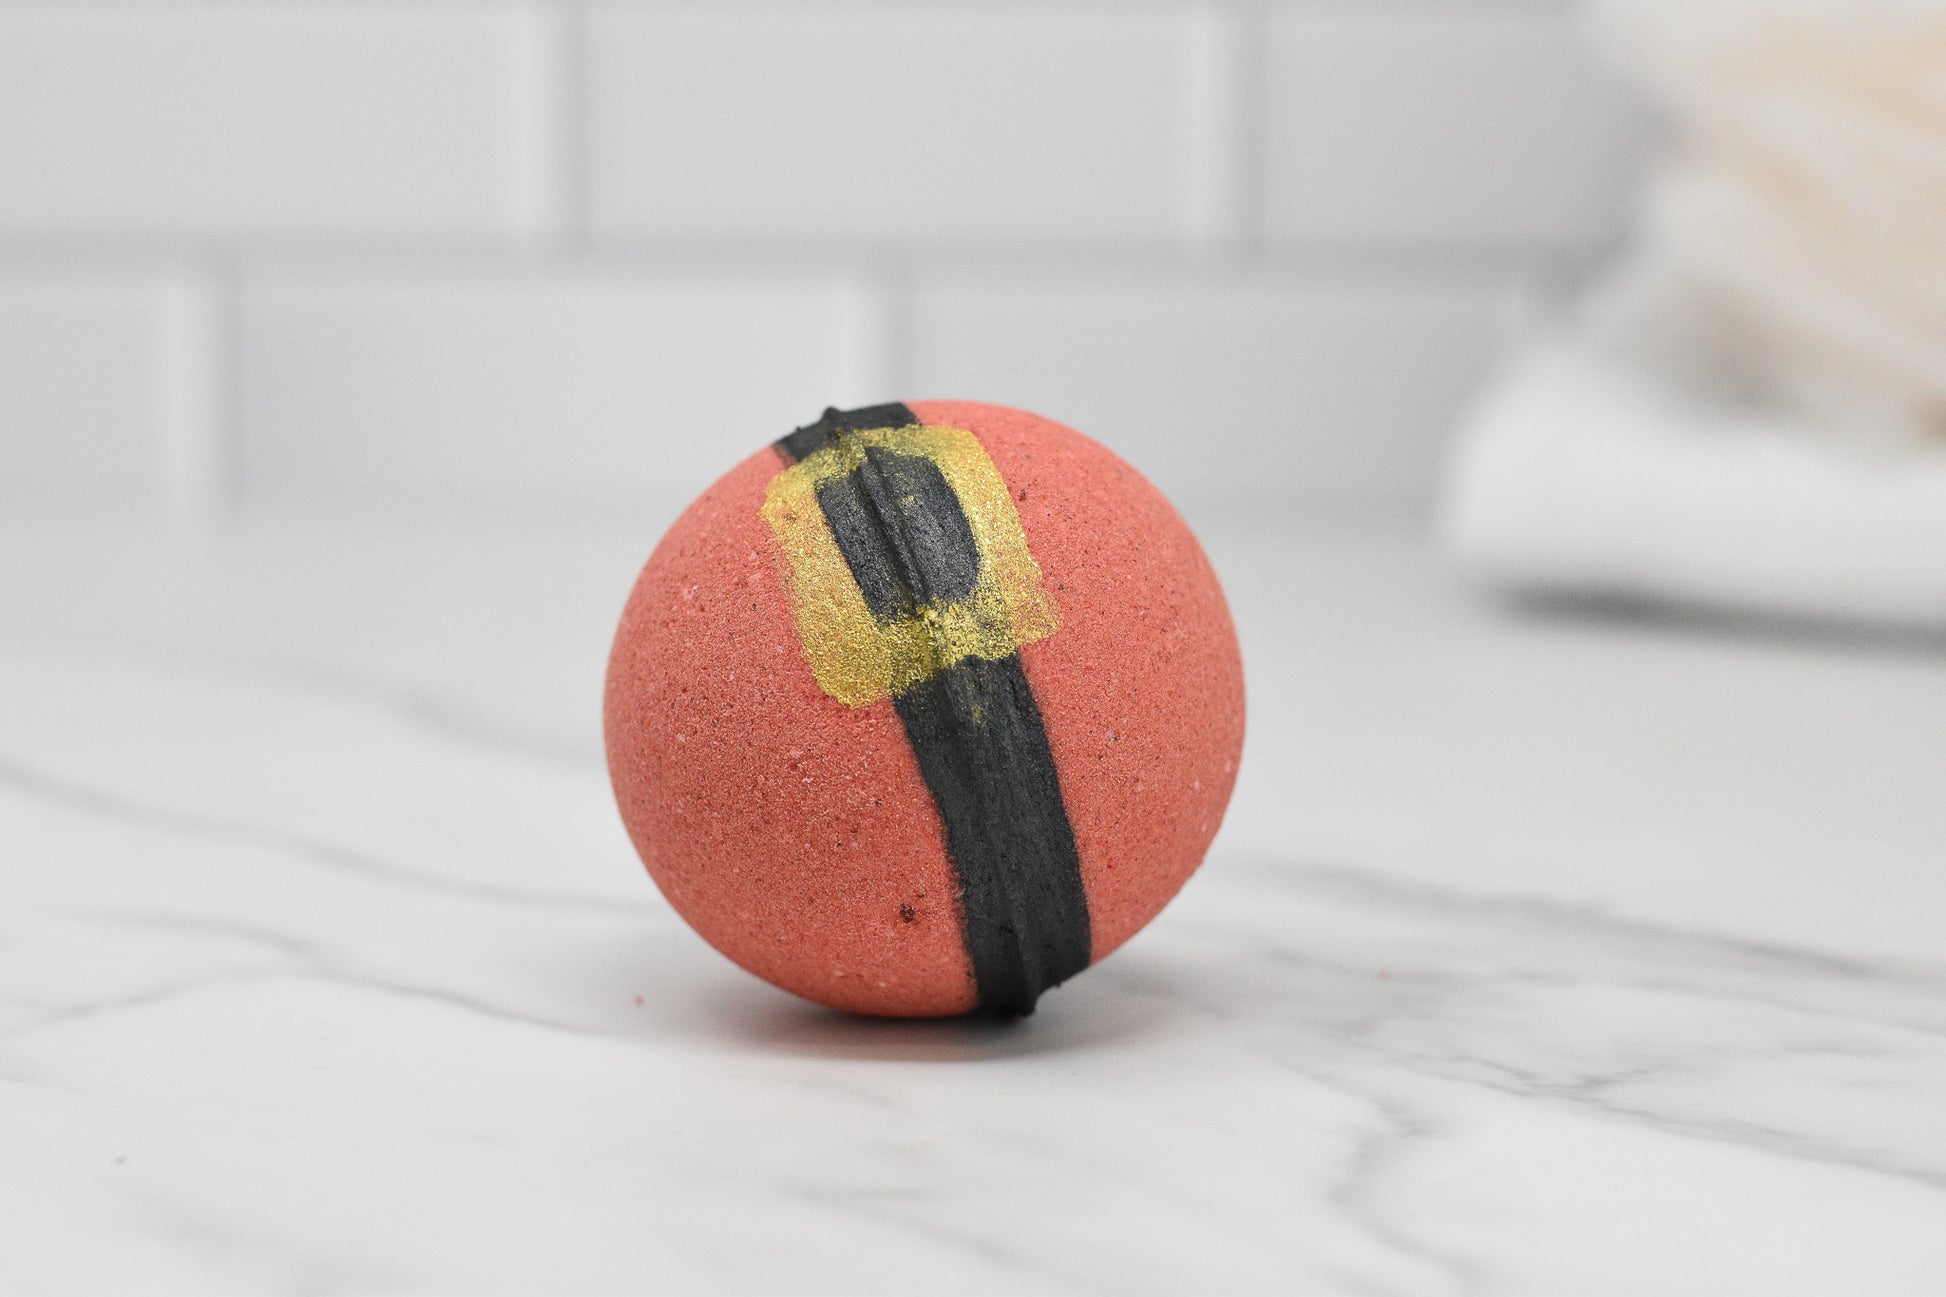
[924, 708]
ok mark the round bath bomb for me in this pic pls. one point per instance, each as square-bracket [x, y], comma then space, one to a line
[924, 708]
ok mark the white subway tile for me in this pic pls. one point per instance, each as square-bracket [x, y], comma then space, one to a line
[1442, 127]
[210, 118]
[900, 122]
[592, 386]
[1255, 394]
[83, 388]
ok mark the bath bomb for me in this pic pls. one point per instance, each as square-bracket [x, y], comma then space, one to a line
[924, 708]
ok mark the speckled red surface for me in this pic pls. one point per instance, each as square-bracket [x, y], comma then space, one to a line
[794, 832]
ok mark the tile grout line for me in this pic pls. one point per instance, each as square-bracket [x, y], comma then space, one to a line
[577, 122]
[1221, 187]
[1250, 22]
[200, 459]
[545, 145]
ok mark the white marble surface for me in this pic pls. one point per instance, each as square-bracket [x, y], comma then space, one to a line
[1541, 954]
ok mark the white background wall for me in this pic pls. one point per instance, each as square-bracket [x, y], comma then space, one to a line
[594, 253]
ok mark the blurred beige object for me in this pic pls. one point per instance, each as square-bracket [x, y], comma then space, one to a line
[1750, 413]
[1798, 235]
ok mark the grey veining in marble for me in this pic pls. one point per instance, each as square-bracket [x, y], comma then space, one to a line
[324, 968]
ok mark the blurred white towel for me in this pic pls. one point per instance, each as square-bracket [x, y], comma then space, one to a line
[1582, 472]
